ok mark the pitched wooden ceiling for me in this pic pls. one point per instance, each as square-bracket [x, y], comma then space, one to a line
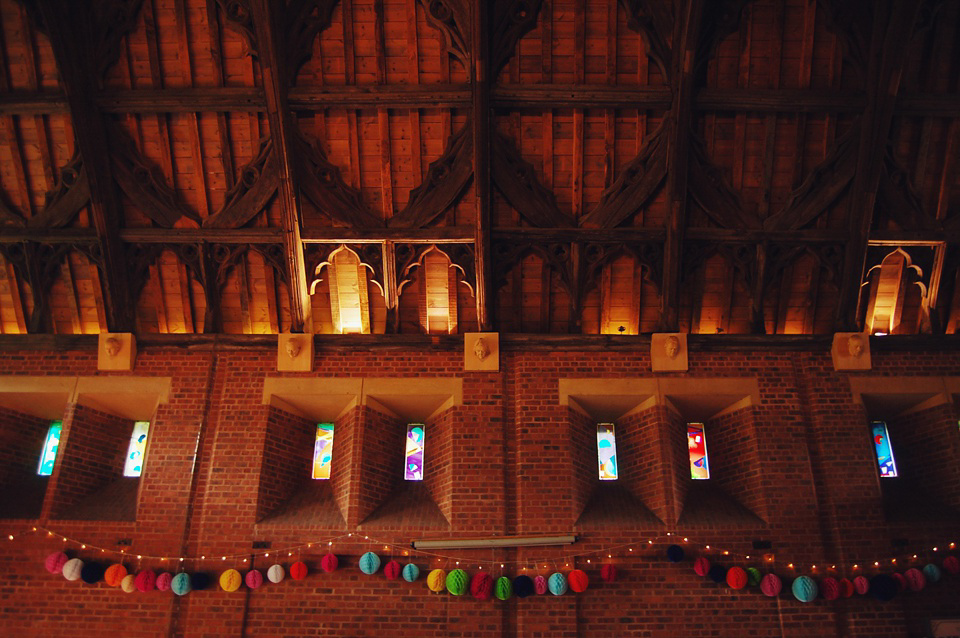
[442, 166]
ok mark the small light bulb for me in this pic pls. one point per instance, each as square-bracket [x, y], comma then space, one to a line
[244, 560]
[685, 539]
[726, 553]
[813, 567]
[480, 567]
[81, 547]
[790, 565]
[10, 536]
[935, 549]
[588, 560]
[34, 529]
[224, 558]
[747, 557]
[330, 544]
[181, 558]
[914, 556]
[203, 557]
[139, 556]
[876, 563]
[894, 561]
[267, 555]
[708, 547]
[501, 565]
[855, 566]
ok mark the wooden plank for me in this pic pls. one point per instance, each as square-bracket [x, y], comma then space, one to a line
[73, 299]
[947, 175]
[413, 77]
[610, 115]
[186, 75]
[156, 79]
[546, 77]
[186, 302]
[770, 121]
[47, 165]
[159, 300]
[479, 30]
[224, 151]
[386, 163]
[740, 121]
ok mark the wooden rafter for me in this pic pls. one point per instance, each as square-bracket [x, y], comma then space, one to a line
[481, 130]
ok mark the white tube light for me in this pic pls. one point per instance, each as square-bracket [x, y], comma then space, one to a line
[495, 541]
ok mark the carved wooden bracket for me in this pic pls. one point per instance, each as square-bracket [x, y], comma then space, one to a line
[139, 258]
[596, 255]
[452, 19]
[302, 21]
[713, 192]
[322, 183]
[70, 193]
[39, 265]
[518, 182]
[636, 184]
[897, 199]
[823, 186]
[240, 19]
[557, 256]
[446, 180]
[409, 257]
[113, 20]
[511, 20]
[318, 256]
[145, 185]
[253, 191]
[654, 21]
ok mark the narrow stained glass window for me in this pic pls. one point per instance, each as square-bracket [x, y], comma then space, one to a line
[881, 441]
[697, 444]
[607, 452]
[323, 451]
[413, 465]
[135, 451]
[49, 454]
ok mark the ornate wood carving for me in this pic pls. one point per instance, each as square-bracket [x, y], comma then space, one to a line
[39, 264]
[897, 199]
[719, 19]
[822, 187]
[317, 257]
[635, 185]
[653, 20]
[557, 256]
[409, 257]
[452, 19]
[464, 258]
[113, 20]
[69, 195]
[851, 22]
[302, 21]
[257, 185]
[713, 192]
[511, 19]
[240, 19]
[518, 182]
[446, 180]
[596, 255]
[145, 185]
[140, 257]
[322, 183]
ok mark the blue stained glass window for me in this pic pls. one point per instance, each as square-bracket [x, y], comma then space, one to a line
[607, 452]
[881, 442]
[133, 465]
[50, 445]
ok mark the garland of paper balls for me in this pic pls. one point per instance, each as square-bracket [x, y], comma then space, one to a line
[805, 588]
[483, 585]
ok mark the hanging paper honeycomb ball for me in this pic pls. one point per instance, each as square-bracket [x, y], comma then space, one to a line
[115, 574]
[952, 565]
[675, 554]
[457, 582]
[523, 586]
[830, 588]
[915, 579]
[329, 562]
[275, 574]
[861, 585]
[163, 581]
[578, 580]
[771, 585]
[481, 586]
[230, 580]
[608, 573]
[369, 563]
[200, 581]
[899, 580]
[92, 573]
[437, 580]
[846, 588]
[557, 583]
[392, 570]
[932, 572]
[540, 585]
[804, 589]
[701, 566]
[72, 569]
[253, 579]
[411, 572]
[504, 588]
[55, 562]
[298, 571]
[129, 583]
[717, 573]
[737, 577]
[146, 580]
[883, 587]
[181, 584]
[753, 576]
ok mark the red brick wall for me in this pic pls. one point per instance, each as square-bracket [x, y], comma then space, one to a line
[926, 446]
[21, 443]
[735, 458]
[440, 465]
[643, 458]
[812, 475]
[287, 459]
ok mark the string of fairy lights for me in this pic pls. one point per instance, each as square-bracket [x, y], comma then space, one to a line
[638, 547]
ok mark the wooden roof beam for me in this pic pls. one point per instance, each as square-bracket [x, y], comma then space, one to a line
[891, 30]
[67, 25]
[481, 129]
[276, 74]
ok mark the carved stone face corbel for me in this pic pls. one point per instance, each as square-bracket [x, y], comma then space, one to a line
[668, 352]
[294, 353]
[481, 351]
[116, 351]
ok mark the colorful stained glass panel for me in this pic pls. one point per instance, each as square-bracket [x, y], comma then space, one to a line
[607, 452]
[136, 450]
[697, 445]
[50, 445]
[881, 442]
[323, 451]
[413, 465]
